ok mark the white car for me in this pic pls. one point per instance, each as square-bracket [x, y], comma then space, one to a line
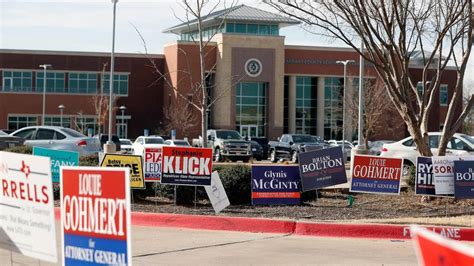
[459, 145]
[126, 146]
[146, 142]
[177, 142]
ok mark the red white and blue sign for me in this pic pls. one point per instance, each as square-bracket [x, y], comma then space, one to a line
[464, 179]
[275, 185]
[186, 166]
[95, 216]
[322, 168]
[374, 174]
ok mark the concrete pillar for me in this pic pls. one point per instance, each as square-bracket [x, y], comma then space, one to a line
[320, 108]
[292, 105]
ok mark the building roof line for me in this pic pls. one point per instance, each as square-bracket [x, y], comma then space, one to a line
[78, 53]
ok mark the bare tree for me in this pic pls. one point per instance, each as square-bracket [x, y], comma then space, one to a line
[392, 32]
[376, 109]
[201, 99]
[179, 116]
[101, 102]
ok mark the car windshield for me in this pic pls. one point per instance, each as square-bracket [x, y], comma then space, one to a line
[72, 133]
[181, 143]
[469, 138]
[303, 138]
[228, 135]
[154, 141]
[3, 133]
[125, 142]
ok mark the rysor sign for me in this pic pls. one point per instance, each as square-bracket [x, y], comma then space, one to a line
[186, 166]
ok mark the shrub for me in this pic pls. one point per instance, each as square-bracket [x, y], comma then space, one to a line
[91, 160]
[21, 149]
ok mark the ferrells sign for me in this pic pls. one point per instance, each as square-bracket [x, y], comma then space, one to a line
[186, 166]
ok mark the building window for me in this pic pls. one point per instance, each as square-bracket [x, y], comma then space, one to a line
[420, 89]
[82, 82]
[56, 121]
[120, 84]
[443, 95]
[253, 29]
[306, 101]
[286, 91]
[54, 81]
[85, 124]
[333, 92]
[251, 108]
[17, 81]
[17, 122]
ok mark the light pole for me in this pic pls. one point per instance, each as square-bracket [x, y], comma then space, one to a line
[344, 89]
[61, 109]
[361, 98]
[110, 146]
[44, 66]
[122, 109]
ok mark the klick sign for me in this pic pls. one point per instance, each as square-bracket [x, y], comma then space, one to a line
[95, 216]
[373, 174]
[186, 166]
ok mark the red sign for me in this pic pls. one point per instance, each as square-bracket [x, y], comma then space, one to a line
[186, 166]
[432, 249]
[152, 164]
[95, 215]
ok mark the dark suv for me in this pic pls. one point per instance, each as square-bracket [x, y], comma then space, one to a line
[263, 142]
[105, 137]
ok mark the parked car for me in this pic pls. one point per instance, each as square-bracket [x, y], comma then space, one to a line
[103, 138]
[347, 147]
[147, 142]
[226, 145]
[290, 145]
[126, 146]
[375, 147]
[458, 145]
[177, 142]
[58, 138]
[7, 141]
[263, 143]
[257, 151]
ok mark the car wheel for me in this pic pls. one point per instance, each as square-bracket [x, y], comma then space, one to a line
[246, 160]
[217, 155]
[273, 156]
[294, 157]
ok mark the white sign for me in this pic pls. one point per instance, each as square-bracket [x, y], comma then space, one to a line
[216, 193]
[27, 223]
[443, 173]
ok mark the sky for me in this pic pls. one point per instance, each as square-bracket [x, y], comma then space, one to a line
[86, 25]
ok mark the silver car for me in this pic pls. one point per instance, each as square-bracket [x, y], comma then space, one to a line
[58, 138]
[7, 141]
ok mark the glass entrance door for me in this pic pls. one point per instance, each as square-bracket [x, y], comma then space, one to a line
[249, 130]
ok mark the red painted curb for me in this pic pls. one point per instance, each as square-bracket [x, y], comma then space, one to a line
[260, 225]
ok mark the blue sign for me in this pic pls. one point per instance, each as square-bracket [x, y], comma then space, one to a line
[464, 179]
[322, 168]
[58, 159]
[424, 177]
[275, 185]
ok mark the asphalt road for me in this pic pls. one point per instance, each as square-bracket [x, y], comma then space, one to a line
[171, 246]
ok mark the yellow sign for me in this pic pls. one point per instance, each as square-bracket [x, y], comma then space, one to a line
[133, 162]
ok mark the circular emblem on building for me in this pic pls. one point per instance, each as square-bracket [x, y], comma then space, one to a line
[253, 67]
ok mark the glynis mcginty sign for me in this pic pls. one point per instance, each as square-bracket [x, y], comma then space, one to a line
[26, 206]
[373, 174]
[186, 166]
[95, 216]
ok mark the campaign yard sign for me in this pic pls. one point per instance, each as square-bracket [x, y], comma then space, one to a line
[95, 216]
[186, 166]
[464, 179]
[58, 159]
[424, 177]
[152, 164]
[443, 173]
[275, 185]
[216, 193]
[27, 206]
[133, 162]
[322, 168]
[374, 174]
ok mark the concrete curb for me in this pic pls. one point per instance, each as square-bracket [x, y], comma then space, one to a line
[261, 225]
